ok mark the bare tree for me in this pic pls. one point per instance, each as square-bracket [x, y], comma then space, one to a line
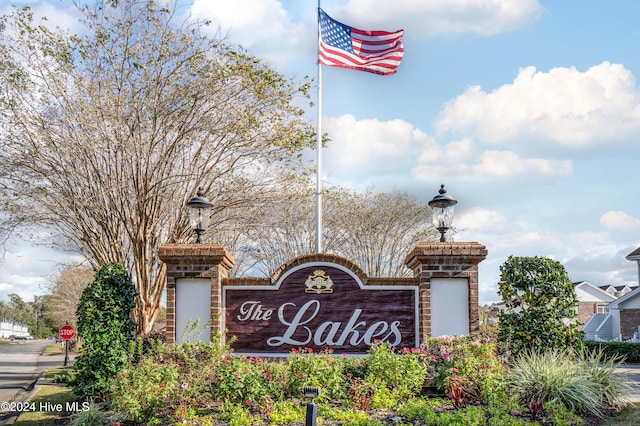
[65, 292]
[105, 136]
[375, 230]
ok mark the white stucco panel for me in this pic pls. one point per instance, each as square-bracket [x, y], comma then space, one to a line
[449, 307]
[193, 302]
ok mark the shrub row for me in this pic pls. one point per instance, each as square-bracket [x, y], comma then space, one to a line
[629, 352]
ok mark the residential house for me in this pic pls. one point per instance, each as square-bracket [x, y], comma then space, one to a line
[12, 328]
[592, 300]
[621, 321]
[617, 290]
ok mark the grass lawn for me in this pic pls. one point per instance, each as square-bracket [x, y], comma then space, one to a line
[54, 349]
[52, 396]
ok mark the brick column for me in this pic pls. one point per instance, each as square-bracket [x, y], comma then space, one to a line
[446, 260]
[195, 261]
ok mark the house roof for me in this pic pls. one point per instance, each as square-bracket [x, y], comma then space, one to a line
[631, 295]
[617, 287]
[634, 255]
[595, 290]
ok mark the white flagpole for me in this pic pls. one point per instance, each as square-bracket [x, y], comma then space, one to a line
[319, 150]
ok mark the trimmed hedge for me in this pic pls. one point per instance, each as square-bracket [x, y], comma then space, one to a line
[630, 352]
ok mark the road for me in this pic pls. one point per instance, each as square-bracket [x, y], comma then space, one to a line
[20, 366]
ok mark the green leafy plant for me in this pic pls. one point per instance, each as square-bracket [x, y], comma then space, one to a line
[349, 417]
[558, 415]
[465, 368]
[404, 371]
[539, 297]
[238, 415]
[627, 351]
[286, 413]
[249, 380]
[145, 391]
[306, 368]
[422, 409]
[105, 325]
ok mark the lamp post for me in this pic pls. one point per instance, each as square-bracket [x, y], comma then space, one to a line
[442, 207]
[199, 214]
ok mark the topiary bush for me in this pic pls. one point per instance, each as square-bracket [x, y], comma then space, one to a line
[539, 297]
[105, 325]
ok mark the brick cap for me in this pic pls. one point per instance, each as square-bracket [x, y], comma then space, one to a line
[436, 253]
[196, 254]
[320, 257]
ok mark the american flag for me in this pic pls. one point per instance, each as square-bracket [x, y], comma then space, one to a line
[379, 52]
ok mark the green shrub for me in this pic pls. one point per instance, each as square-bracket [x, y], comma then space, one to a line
[555, 376]
[106, 328]
[203, 383]
[252, 381]
[305, 368]
[465, 368]
[404, 372]
[626, 351]
[145, 391]
[539, 295]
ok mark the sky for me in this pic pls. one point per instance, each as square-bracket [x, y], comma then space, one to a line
[527, 110]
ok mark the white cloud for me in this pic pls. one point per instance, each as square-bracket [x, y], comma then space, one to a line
[263, 27]
[26, 269]
[467, 162]
[361, 149]
[266, 29]
[618, 220]
[592, 256]
[562, 106]
[440, 17]
[370, 147]
[478, 219]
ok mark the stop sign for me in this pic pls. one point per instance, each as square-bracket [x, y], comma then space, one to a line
[67, 332]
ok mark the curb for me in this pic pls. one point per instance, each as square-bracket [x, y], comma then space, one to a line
[24, 395]
[36, 382]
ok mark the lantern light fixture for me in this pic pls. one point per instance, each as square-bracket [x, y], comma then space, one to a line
[442, 206]
[199, 214]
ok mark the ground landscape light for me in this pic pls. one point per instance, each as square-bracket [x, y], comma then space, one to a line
[311, 416]
[442, 212]
[199, 214]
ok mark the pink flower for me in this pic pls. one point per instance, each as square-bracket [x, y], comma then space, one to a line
[184, 386]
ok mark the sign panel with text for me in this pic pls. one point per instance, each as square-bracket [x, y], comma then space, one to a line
[320, 306]
[66, 332]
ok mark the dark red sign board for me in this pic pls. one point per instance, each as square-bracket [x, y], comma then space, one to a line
[67, 332]
[319, 306]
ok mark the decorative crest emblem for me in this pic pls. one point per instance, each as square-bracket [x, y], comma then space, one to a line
[318, 283]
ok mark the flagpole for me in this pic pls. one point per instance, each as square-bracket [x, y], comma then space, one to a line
[319, 149]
